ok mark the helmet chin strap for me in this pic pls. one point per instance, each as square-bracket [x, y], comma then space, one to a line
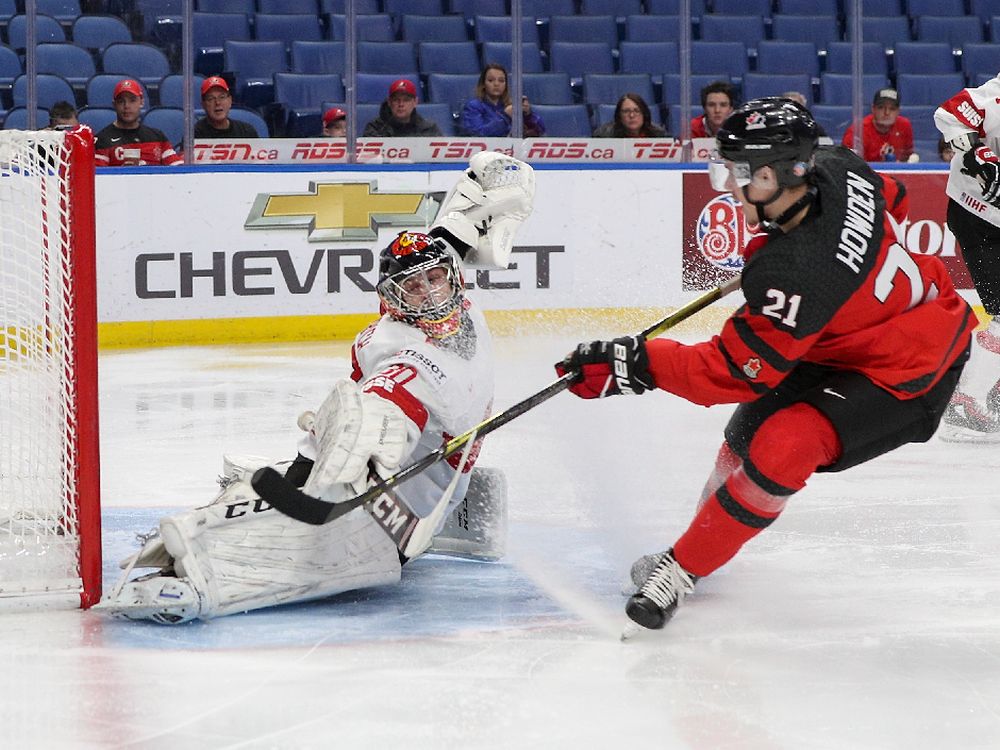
[766, 223]
[807, 199]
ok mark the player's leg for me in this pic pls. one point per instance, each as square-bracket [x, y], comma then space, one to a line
[477, 527]
[974, 412]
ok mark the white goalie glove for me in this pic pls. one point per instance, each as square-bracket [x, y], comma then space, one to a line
[487, 206]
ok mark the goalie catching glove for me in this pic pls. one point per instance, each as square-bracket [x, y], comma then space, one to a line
[608, 368]
[484, 210]
[982, 164]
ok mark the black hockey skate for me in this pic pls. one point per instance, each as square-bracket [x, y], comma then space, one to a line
[661, 594]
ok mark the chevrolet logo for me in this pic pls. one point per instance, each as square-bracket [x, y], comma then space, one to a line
[342, 211]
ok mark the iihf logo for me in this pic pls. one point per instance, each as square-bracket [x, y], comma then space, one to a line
[722, 233]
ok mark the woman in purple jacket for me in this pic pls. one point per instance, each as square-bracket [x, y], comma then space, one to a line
[489, 113]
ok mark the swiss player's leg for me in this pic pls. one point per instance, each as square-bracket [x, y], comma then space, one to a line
[974, 413]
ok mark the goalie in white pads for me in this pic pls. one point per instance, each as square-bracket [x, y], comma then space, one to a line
[422, 374]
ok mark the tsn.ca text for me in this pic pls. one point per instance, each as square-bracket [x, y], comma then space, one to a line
[248, 273]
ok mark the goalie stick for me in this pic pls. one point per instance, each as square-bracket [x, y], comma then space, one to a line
[399, 521]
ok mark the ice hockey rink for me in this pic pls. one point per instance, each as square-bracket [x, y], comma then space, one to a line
[866, 618]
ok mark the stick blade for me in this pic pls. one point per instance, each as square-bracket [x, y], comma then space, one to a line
[289, 499]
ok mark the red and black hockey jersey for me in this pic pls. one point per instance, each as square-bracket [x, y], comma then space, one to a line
[111, 143]
[837, 290]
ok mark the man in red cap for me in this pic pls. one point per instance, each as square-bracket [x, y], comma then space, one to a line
[398, 115]
[335, 123]
[217, 101]
[128, 143]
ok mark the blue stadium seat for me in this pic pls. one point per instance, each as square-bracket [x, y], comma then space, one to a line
[928, 89]
[47, 29]
[672, 88]
[17, 118]
[302, 94]
[73, 63]
[97, 118]
[955, 30]
[923, 57]
[547, 88]
[499, 28]
[746, 29]
[564, 120]
[616, 8]
[501, 52]
[168, 119]
[980, 57]
[648, 57]
[820, 30]
[287, 28]
[837, 88]
[372, 28]
[469, 9]
[453, 89]
[10, 68]
[835, 118]
[399, 8]
[984, 9]
[210, 32]
[318, 57]
[287, 6]
[887, 30]
[137, 60]
[826, 8]
[875, 8]
[386, 57]
[547, 8]
[227, 6]
[170, 92]
[672, 8]
[775, 56]
[96, 32]
[441, 114]
[756, 85]
[583, 29]
[652, 28]
[607, 89]
[101, 91]
[915, 8]
[448, 57]
[724, 59]
[152, 12]
[254, 63]
[742, 7]
[414, 28]
[249, 116]
[374, 87]
[578, 58]
[49, 89]
[839, 58]
[980, 78]
[64, 11]
[921, 117]
[927, 150]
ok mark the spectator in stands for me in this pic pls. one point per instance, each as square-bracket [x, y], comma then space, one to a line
[218, 101]
[632, 120]
[398, 115]
[335, 123]
[885, 134]
[491, 112]
[128, 143]
[945, 150]
[717, 101]
[62, 116]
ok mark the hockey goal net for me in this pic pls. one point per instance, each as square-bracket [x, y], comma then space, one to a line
[50, 545]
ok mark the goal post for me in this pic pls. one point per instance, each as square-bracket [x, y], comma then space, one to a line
[50, 527]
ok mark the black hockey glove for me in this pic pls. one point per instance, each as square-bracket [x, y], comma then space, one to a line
[607, 368]
[982, 163]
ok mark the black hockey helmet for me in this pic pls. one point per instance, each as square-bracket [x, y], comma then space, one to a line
[772, 131]
[412, 291]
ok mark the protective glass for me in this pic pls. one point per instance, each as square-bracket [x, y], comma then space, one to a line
[725, 176]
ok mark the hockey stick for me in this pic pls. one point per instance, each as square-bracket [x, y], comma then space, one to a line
[389, 511]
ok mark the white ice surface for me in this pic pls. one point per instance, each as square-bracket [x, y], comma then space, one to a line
[867, 617]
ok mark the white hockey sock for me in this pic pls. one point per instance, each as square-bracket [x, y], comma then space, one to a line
[983, 368]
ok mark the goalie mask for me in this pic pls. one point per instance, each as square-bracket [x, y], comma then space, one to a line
[420, 283]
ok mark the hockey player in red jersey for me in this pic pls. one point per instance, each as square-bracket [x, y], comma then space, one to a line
[846, 348]
[970, 123]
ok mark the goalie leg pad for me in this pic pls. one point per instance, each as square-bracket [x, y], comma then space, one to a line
[477, 527]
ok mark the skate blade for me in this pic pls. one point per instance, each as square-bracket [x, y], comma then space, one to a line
[954, 434]
[631, 630]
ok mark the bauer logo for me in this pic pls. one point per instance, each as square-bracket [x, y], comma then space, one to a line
[348, 211]
[722, 233]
